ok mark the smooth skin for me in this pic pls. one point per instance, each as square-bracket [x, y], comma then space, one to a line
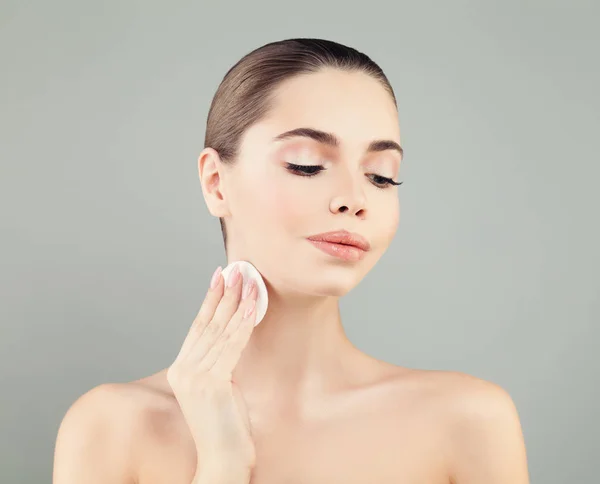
[318, 409]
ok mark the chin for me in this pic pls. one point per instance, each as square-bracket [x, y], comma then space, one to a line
[321, 282]
[334, 290]
[334, 279]
[312, 277]
[335, 285]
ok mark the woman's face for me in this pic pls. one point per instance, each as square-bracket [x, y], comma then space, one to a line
[272, 209]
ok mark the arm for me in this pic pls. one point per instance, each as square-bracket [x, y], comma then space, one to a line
[487, 443]
[93, 442]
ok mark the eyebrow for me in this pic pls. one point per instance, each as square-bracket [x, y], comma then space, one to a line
[331, 139]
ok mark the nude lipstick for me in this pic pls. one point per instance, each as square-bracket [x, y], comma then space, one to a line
[341, 244]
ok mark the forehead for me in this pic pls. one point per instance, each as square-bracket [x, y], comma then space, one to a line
[353, 105]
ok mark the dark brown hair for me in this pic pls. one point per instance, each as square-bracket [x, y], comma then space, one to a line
[245, 93]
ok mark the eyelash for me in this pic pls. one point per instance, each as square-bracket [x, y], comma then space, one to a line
[313, 170]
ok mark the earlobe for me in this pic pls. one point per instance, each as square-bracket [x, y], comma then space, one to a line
[211, 181]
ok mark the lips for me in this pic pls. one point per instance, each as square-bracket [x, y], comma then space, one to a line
[343, 237]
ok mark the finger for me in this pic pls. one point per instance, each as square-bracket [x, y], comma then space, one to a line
[232, 327]
[235, 345]
[205, 314]
[229, 302]
[214, 353]
[221, 317]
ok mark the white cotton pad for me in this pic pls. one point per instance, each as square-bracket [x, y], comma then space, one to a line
[248, 272]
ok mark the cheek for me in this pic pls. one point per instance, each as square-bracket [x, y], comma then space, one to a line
[394, 222]
[289, 203]
[387, 223]
[395, 219]
[287, 206]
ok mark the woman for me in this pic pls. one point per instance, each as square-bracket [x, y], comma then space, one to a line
[302, 139]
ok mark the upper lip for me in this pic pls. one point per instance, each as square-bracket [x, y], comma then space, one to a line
[343, 237]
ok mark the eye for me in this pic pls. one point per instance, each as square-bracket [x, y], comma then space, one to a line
[383, 182]
[305, 170]
[312, 170]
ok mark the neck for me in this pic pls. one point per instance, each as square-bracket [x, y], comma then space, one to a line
[298, 351]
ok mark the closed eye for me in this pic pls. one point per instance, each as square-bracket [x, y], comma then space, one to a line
[384, 180]
[306, 170]
[313, 170]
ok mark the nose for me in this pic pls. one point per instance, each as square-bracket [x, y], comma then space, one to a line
[349, 197]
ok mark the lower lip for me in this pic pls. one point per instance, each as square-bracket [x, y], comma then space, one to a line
[344, 252]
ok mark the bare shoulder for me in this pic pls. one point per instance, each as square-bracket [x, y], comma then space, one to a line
[462, 392]
[100, 435]
[481, 426]
[459, 397]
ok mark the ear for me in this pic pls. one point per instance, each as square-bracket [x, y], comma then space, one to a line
[209, 171]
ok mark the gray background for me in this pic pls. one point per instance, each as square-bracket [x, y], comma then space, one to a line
[107, 246]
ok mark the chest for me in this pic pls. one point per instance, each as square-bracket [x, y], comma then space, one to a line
[358, 450]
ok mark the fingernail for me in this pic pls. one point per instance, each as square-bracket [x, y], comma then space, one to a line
[215, 277]
[247, 289]
[233, 277]
[250, 308]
